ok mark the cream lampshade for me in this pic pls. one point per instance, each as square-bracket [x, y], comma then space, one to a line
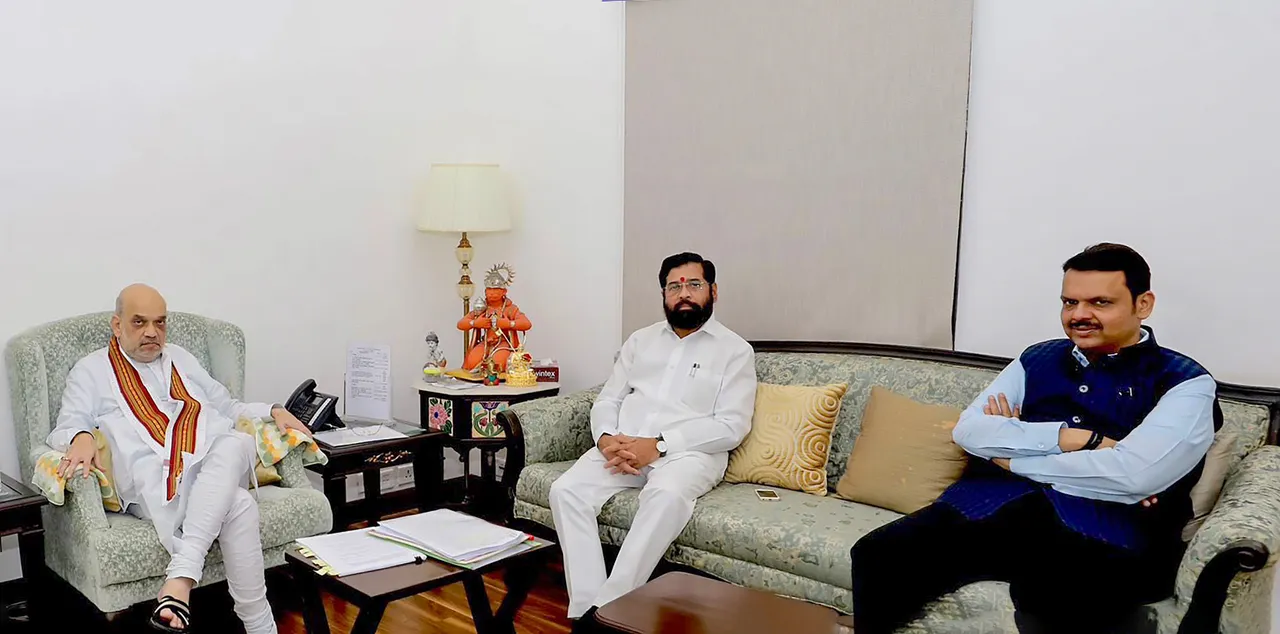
[463, 197]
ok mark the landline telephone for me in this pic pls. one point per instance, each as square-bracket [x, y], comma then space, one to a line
[317, 410]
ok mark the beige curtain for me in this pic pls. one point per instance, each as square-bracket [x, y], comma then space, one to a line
[812, 148]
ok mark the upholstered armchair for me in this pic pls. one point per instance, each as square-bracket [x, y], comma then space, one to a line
[115, 559]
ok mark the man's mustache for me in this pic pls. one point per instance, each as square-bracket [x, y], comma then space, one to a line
[1086, 324]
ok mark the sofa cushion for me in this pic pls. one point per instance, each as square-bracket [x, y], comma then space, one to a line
[904, 458]
[789, 439]
[130, 550]
[923, 381]
[800, 533]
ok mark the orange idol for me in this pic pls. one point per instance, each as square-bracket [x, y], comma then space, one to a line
[494, 331]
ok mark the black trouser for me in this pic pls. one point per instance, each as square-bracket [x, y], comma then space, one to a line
[1060, 581]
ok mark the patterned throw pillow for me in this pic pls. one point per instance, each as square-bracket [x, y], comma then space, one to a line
[790, 438]
[267, 474]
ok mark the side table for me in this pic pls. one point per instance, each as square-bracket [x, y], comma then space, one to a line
[422, 447]
[473, 418]
[20, 514]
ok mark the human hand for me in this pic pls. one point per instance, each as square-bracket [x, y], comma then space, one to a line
[82, 453]
[607, 441]
[286, 421]
[615, 450]
[483, 323]
[640, 453]
[1000, 407]
[1003, 463]
[1150, 502]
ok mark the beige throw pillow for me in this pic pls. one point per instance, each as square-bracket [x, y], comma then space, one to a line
[1204, 496]
[904, 458]
[790, 437]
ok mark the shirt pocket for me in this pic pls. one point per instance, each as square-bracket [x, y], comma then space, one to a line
[701, 390]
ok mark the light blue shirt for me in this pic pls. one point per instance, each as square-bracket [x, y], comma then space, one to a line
[1166, 446]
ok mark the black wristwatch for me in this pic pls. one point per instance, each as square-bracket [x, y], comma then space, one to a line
[662, 447]
[1095, 439]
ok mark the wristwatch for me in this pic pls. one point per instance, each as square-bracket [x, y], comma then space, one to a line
[662, 447]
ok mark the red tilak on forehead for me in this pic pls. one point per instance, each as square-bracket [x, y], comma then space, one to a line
[682, 280]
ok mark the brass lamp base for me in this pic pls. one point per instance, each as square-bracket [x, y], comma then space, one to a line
[465, 287]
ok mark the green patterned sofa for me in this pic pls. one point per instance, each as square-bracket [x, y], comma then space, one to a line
[799, 546]
[115, 559]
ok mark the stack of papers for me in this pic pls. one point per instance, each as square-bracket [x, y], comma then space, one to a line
[455, 538]
[354, 552]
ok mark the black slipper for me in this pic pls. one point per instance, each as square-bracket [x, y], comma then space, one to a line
[178, 607]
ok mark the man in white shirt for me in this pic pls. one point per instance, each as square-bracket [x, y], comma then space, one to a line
[178, 460]
[679, 400]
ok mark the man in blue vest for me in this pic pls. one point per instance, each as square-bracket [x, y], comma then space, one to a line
[1084, 453]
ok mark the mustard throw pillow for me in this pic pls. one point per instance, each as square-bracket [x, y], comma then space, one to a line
[904, 458]
[790, 437]
[111, 503]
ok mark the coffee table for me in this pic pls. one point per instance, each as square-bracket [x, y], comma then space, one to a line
[372, 591]
[681, 602]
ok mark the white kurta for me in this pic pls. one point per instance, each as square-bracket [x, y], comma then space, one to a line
[93, 399]
[698, 393]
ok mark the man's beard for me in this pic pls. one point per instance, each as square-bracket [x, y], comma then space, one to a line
[688, 319]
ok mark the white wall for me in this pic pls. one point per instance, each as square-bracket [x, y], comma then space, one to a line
[255, 161]
[1151, 123]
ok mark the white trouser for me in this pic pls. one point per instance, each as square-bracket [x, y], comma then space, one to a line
[220, 508]
[670, 487]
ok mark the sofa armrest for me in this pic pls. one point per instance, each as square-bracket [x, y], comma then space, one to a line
[555, 429]
[293, 475]
[83, 507]
[1239, 536]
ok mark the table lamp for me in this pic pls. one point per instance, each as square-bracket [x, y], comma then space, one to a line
[463, 197]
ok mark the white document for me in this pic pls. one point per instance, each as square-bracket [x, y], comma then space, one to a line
[350, 436]
[454, 535]
[354, 552]
[368, 392]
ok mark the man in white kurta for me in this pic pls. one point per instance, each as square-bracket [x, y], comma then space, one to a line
[680, 398]
[178, 460]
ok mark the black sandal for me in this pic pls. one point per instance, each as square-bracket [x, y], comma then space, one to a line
[178, 607]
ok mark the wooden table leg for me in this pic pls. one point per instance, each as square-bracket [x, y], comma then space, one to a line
[335, 490]
[368, 618]
[312, 605]
[31, 545]
[481, 611]
[428, 476]
[372, 496]
[519, 578]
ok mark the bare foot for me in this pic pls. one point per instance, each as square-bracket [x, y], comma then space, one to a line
[180, 589]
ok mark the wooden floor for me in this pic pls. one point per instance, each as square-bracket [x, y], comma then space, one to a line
[442, 611]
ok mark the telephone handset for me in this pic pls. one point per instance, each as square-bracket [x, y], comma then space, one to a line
[317, 410]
